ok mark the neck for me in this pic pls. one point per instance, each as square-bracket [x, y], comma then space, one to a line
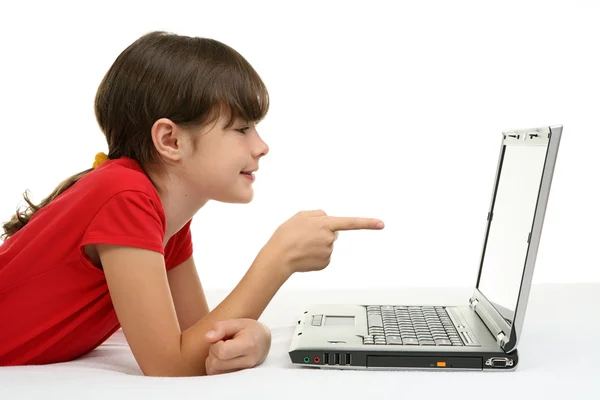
[179, 205]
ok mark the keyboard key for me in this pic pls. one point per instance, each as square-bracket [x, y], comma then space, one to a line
[375, 320]
[393, 339]
[410, 341]
[443, 342]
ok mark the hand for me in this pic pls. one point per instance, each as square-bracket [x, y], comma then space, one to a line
[305, 241]
[236, 344]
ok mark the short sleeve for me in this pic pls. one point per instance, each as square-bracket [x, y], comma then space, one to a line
[180, 247]
[129, 218]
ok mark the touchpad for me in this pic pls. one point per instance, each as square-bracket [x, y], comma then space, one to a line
[339, 320]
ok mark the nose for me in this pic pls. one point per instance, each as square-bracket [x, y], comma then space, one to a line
[261, 149]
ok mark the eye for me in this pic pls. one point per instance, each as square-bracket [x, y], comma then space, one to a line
[243, 130]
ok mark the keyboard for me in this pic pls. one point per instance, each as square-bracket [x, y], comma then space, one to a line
[410, 325]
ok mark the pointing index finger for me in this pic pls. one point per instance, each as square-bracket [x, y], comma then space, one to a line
[352, 223]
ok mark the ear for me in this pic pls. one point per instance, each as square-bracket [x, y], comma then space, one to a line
[168, 139]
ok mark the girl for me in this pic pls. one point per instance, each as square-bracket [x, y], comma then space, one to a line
[111, 247]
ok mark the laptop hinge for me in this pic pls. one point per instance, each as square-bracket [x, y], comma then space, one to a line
[501, 339]
[498, 333]
[473, 303]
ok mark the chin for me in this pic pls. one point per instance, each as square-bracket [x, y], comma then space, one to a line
[237, 198]
[245, 200]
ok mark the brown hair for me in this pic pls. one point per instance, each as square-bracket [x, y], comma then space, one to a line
[189, 80]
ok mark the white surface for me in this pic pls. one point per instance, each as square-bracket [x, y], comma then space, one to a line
[390, 109]
[559, 354]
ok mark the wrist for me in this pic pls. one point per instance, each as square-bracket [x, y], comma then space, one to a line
[266, 343]
[271, 259]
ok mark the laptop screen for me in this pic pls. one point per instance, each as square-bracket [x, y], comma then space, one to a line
[509, 230]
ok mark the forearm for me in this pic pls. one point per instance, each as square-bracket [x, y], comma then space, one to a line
[248, 300]
[256, 289]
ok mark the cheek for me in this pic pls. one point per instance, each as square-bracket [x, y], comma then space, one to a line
[221, 165]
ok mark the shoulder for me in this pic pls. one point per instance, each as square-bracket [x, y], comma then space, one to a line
[117, 192]
[121, 206]
[122, 178]
[114, 176]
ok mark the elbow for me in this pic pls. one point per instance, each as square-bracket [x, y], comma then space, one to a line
[173, 359]
[173, 367]
[170, 372]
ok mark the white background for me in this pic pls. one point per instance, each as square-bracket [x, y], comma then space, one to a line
[380, 109]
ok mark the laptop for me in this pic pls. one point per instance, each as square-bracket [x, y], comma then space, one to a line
[482, 333]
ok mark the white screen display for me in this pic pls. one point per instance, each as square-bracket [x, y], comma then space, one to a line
[513, 212]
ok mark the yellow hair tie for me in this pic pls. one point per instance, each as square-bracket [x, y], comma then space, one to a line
[100, 158]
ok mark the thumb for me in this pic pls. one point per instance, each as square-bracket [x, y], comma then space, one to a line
[224, 329]
[213, 336]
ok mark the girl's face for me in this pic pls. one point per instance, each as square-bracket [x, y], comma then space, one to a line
[220, 164]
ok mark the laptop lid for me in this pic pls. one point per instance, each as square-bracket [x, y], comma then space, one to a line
[513, 230]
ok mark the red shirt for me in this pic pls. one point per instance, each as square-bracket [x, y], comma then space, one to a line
[54, 303]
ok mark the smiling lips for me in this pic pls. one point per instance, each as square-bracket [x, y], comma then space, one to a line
[248, 175]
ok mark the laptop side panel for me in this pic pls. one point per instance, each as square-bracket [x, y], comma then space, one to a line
[374, 359]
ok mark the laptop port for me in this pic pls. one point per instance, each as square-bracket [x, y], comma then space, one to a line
[330, 358]
[499, 362]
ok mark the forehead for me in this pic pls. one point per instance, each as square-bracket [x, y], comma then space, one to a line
[215, 127]
[225, 119]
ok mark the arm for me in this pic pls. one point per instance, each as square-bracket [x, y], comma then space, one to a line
[188, 294]
[140, 292]
[139, 289]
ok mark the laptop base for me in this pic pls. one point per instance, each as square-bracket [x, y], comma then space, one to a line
[373, 359]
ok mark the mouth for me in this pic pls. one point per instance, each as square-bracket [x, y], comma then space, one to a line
[249, 172]
[249, 175]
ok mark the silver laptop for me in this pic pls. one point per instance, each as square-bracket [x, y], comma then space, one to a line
[481, 334]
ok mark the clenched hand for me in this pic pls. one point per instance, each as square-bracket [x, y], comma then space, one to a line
[236, 344]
